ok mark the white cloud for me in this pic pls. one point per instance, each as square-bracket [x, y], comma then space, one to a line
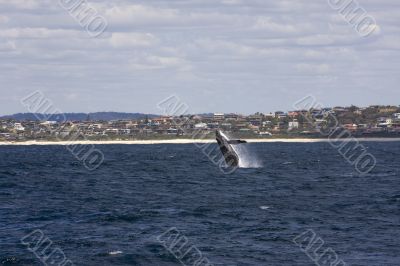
[327, 40]
[38, 33]
[314, 68]
[132, 39]
[251, 48]
[140, 14]
[145, 61]
[147, 15]
[21, 4]
[229, 48]
[265, 23]
[7, 46]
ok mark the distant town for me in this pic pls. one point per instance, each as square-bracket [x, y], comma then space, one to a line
[372, 121]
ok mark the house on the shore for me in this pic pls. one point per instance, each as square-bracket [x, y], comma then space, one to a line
[384, 122]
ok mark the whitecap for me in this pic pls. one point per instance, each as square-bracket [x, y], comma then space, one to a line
[117, 252]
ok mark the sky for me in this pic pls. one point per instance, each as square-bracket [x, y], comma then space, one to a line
[241, 56]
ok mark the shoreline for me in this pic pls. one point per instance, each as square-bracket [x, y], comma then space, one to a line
[181, 141]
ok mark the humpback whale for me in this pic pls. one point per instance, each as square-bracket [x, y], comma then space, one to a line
[225, 145]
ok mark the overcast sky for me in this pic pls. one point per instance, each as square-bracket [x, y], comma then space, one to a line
[238, 56]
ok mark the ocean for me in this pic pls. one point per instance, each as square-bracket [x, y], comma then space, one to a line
[170, 205]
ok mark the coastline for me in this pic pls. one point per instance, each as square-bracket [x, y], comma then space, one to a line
[181, 141]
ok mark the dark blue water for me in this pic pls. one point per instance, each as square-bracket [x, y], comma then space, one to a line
[246, 218]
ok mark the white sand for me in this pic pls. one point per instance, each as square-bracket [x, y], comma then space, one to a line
[180, 141]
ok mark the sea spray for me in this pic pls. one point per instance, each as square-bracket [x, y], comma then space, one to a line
[247, 158]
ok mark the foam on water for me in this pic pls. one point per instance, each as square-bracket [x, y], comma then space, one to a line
[117, 252]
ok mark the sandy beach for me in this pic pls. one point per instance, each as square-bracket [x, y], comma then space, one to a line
[180, 141]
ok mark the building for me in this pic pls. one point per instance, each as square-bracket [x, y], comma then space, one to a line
[388, 109]
[172, 131]
[293, 125]
[231, 116]
[201, 126]
[266, 123]
[293, 114]
[219, 116]
[213, 125]
[269, 115]
[265, 133]
[19, 127]
[351, 127]
[362, 126]
[226, 126]
[255, 120]
[339, 109]
[47, 123]
[281, 115]
[384, 122]
[396, 123]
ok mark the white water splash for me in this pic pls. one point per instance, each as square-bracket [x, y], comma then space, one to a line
[247, 159]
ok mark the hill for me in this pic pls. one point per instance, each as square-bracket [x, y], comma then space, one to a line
[105, 116]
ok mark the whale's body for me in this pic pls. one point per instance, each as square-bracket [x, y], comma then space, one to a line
[225, 145]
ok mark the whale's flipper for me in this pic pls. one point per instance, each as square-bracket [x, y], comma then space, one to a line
[236, 141]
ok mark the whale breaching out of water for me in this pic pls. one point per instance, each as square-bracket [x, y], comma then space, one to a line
[225, 145]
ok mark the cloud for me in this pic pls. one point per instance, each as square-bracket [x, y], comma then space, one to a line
[38, 33]
[21, 4]
[259, 51]
[7, 46]
[140, 14]
[265, 23]
[155, 62]
[314, 68]
[132, 39]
